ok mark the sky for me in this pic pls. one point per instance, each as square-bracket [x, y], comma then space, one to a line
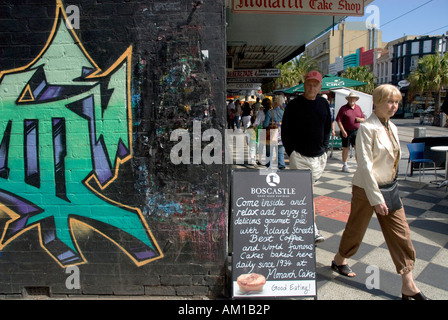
[408, 17]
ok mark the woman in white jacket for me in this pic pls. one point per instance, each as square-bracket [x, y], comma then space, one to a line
[378, 153]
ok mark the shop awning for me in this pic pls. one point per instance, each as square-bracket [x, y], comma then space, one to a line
[263, 40]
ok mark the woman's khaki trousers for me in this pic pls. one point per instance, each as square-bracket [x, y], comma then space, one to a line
[394, 227]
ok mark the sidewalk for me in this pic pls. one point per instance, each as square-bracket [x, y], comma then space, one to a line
[427, 212]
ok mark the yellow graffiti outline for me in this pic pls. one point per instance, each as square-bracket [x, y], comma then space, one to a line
[59, 9]
[127, 55]
[14, 216]
[96, 74]
[27, 89]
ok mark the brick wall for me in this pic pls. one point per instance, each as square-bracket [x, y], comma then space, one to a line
[90, 93]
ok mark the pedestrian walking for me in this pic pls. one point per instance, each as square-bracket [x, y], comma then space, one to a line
[349, 117]
[306, 129]
[378, 154]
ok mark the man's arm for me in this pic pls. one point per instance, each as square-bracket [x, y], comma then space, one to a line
[341, 128]
[286, 129]
[361, 117]
[327, 128]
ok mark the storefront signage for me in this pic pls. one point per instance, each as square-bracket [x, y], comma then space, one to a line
[254, 73]
[245, 80]
[309, 7]
[272, 234]
[243, 86]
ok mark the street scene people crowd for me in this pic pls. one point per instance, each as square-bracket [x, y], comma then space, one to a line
[305, 125]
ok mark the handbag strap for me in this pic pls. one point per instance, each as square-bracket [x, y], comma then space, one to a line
[272, 116]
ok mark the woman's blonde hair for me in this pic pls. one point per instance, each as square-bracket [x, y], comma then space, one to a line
[382, 93]
[278, 100]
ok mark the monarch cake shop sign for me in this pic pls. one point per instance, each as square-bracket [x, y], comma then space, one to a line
[272, 234]
[305, 7]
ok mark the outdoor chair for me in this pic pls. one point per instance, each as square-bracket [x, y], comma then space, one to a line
[417, 155]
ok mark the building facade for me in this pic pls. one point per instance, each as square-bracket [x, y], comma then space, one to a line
[408, 50]
[344, 42]
[382, 66]
[401, 61]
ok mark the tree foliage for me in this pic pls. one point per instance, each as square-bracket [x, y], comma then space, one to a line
[361, 73]
[430, 76]
[303, 65]
[293, 73]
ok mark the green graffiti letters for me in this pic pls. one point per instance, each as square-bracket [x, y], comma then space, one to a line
[66, 129]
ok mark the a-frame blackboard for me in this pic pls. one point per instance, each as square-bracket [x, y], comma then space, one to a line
[272, 228]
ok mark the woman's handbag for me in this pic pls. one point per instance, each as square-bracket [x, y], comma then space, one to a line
[272, 138]
[391, 196]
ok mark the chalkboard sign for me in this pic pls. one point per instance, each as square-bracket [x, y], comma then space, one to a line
[273, 234]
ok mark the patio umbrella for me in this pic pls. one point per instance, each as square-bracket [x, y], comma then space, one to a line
[330, 82]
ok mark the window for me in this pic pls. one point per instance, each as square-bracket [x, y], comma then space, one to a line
[415, 47]
[427, 46]
[442, 45]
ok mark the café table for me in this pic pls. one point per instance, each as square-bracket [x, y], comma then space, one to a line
[443, 149]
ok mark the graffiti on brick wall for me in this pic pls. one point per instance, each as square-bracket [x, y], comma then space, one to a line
[67, 129]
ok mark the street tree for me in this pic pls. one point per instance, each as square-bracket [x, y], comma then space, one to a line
[293, 73]
[361, 73]
[302, 65]
[429, 78]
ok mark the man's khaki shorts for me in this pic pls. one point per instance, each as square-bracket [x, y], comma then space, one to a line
[315, 164]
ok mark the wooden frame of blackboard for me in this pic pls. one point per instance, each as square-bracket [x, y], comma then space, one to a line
[272, 233]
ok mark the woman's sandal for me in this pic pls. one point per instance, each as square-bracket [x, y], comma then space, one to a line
[418, 296]
[344, 269]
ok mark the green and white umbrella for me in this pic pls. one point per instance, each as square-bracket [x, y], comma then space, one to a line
[329, 82]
